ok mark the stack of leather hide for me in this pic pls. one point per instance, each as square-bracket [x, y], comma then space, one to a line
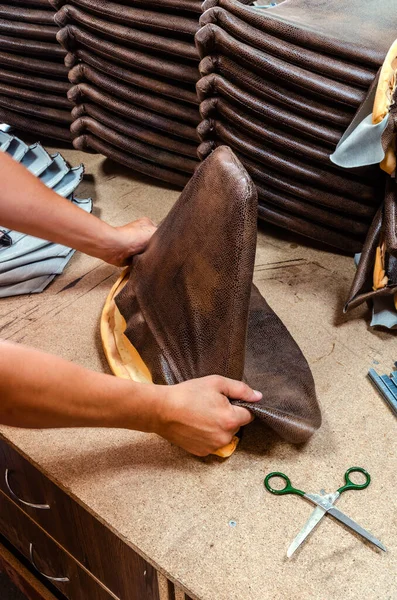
[134, 67]
[33, 77]
[280, 86]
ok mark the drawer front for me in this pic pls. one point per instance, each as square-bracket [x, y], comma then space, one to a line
[46, 556]
[90, 542]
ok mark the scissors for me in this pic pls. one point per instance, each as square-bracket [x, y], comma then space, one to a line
[324, 505]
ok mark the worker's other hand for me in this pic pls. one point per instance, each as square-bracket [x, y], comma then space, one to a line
[129, 239]
[197, 415]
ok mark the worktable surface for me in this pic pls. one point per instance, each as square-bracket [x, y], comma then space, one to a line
[175, 509]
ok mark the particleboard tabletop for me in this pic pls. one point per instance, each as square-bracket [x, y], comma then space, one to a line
[175, 509]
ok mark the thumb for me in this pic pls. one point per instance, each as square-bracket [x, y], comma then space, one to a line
[238, 390]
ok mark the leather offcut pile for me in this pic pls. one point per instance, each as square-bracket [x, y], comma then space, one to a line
[134, 67]
[280, 86]
[33, 77]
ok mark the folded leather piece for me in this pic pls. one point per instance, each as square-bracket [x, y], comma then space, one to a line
[89, 142]
[44, 129]
[135, 95]
[145, 19]
[33, 77]
[280, 86]
[135, 130]
[212, 320]
[82, 93]
[133, 146]
[26, 15]
[355, 31]
[72, 37]
[127, 36]
[260, 86]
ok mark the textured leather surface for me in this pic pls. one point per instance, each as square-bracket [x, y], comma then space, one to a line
[360, 32]
[211, 319]
[33, 77]
[280, 86]
[89, 142]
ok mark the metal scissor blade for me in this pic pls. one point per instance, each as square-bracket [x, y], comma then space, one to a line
[311, 523]
[337, 514]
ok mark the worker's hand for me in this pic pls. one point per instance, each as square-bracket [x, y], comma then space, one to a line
[198, 416]
[129, 240]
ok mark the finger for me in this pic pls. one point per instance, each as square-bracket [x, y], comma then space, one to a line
[238, 390]
[243, 416]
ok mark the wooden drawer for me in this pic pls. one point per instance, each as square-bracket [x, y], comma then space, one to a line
[105, 555]
[46, 556]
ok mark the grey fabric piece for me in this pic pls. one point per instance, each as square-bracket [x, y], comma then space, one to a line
[25, 246]
[361, 144]
[384, 313]
[30, 264]
[31, 286]
[56, 171]
[36, 160]
[70, 182]
[17, 149]
[5, 141]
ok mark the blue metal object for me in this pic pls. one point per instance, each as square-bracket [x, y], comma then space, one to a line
[387, 386]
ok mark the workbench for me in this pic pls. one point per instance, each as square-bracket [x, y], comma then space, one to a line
[135, 518]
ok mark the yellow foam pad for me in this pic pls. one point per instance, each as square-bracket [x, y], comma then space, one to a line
[123, 358]
[386, 85]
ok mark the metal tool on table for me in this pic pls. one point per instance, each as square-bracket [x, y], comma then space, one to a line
[387, 386]
[324, 505]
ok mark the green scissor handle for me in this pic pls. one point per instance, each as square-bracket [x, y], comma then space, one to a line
[350, 485]
[288, 489]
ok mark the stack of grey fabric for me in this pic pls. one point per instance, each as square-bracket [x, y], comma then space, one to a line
[33, 77]
[280, 86]
[29, 264]
[134, 66]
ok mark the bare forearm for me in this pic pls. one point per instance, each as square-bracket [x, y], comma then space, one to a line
[27, 205]
[38, 390]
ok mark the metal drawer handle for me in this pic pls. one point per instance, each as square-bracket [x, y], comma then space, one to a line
[13, 495]
[59, 579]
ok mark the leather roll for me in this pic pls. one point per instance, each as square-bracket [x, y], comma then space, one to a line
[26, 15]
[43, 99]
[72, 37]
[284, 163]
[85, 74]
[308, 229]
[82, 93]
[126, 36]
[315, 62]
[157, 85]
[31, 31]
[133, 146]
[31, 47]
[134, 130]
[211, 39]
[215, 85]
[53, 70]
[27, 80]
[261, 87]
[325, 27]
[45, 113]
[43, 129]
[89, 142]
[168, 24]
